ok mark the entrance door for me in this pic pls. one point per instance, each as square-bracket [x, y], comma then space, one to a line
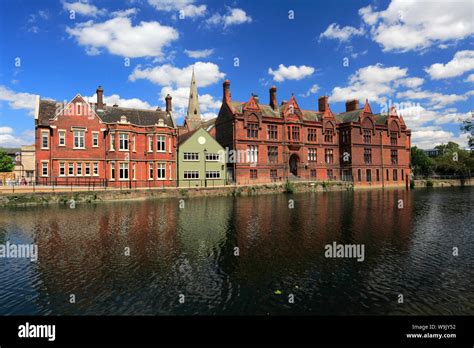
[294, 160]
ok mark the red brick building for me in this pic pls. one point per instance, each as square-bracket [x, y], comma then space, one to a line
[85, 143]
[286, 142]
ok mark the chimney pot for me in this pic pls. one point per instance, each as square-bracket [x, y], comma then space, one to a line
[100, 98]
[168, 103]
[273, 100]
[226, 91]
[322, 102]
[352, 105]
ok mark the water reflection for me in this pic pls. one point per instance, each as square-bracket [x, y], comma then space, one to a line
[191, 250]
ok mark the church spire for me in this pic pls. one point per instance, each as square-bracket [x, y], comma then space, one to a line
[193, 116]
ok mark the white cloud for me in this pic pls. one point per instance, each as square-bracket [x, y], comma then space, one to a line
[410, 82]
[133, 103]
[199, 53]
[185, 7]
[120, 37]
[18, 100]
[234, 16]
[462, 62]
[125, 13]
[414, 25]
[430, 137]
[435, 100]
[333, 31]
[8, 138]
[470, 78]
[374, 82]
[291, 72]
[166, 75]
[84, 8]
[313, 90]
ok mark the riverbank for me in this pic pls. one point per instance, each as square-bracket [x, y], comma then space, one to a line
[79, 195]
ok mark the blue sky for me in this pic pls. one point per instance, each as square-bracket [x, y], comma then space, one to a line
[416, 55]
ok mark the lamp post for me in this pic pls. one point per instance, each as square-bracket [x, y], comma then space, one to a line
[205, 172]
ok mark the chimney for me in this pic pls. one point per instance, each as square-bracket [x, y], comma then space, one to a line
[255, 97]
[273, 98]
[100, 98]
[352, 105]
[115, 105]
[322, 102]
[226, 91]
[168, 103]
[283, 102]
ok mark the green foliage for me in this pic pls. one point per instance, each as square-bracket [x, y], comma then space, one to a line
[468, 127]
[289, 187]
[6, 163]
[421, 163]
[429, 183]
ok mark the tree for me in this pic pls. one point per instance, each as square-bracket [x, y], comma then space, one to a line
[468, 127]
[6, 163]
[421, 163]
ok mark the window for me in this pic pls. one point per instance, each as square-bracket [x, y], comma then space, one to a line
[368, 175]
[367, 156]
[295, 133]
[79, 139]
[191, 174]
[45, 140]
[253, 174]
[112, 171]
[272, 132]
[394, 156]
[252, 130]
[313, 173]
[345, 136]
[112, 142]
[79, 168]
[359, 175]
[87, 169]
[288, 133]
[395, 175]
[62, 169]
[212, 157]
[95, 139]
[123, 141]
[213, 174]
[191, 156]
[272, 154]
[403, 175]
[329, 156]
[378, 174]
[330, 174]
[328, 136]
[61, 138]
[273, 173]
[70, 169]
[95, 168]
[150, 143]
[393, 138]
[123, 171]
[367, 136]
[312, 134]
[252, 153]
[388, 178]
[160, 143]
[151, 175]
[44, 168]
[312, 155]
[161, 171]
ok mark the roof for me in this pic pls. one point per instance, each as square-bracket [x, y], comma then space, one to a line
[110, 114]
[183, 137]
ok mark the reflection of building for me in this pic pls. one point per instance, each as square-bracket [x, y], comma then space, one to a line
[82, 143]
[201, 160]
[286, 142]
[24, 160]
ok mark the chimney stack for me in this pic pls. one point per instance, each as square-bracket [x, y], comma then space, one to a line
[168, 103]
[352, 105]
[226, 91]
[322, 103]
[255, 97]
[273, 98]
[100, 98]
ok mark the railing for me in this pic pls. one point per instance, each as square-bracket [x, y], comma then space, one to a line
[443, 177]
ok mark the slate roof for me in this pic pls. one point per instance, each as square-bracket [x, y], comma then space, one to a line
[183, 137]
[110, 114]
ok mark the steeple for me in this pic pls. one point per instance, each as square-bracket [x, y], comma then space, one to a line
[193, 116]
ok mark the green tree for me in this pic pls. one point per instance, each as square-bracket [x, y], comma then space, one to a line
[468, 127]
[421, 163]
[453, 160]
[6, 163]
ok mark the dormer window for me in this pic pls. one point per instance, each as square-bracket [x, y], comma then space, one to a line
[123, 119]
[161, 122]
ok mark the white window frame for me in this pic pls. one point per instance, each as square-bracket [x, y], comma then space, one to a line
[212, 157]
[126, 138]
[43, 167]
[95, 168]
[79, 171]
[62, 166]
[112, 171]
[150, 143]
[126, 169]
[213, 174]
[191, 156]
[160, 138]
[61, 136]
[151, 171]
[69, 166]
[159, 170]
[87, 169]
[83, 137]
[193, 173]
[95, 136]
[112, 142]
[45, 134]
